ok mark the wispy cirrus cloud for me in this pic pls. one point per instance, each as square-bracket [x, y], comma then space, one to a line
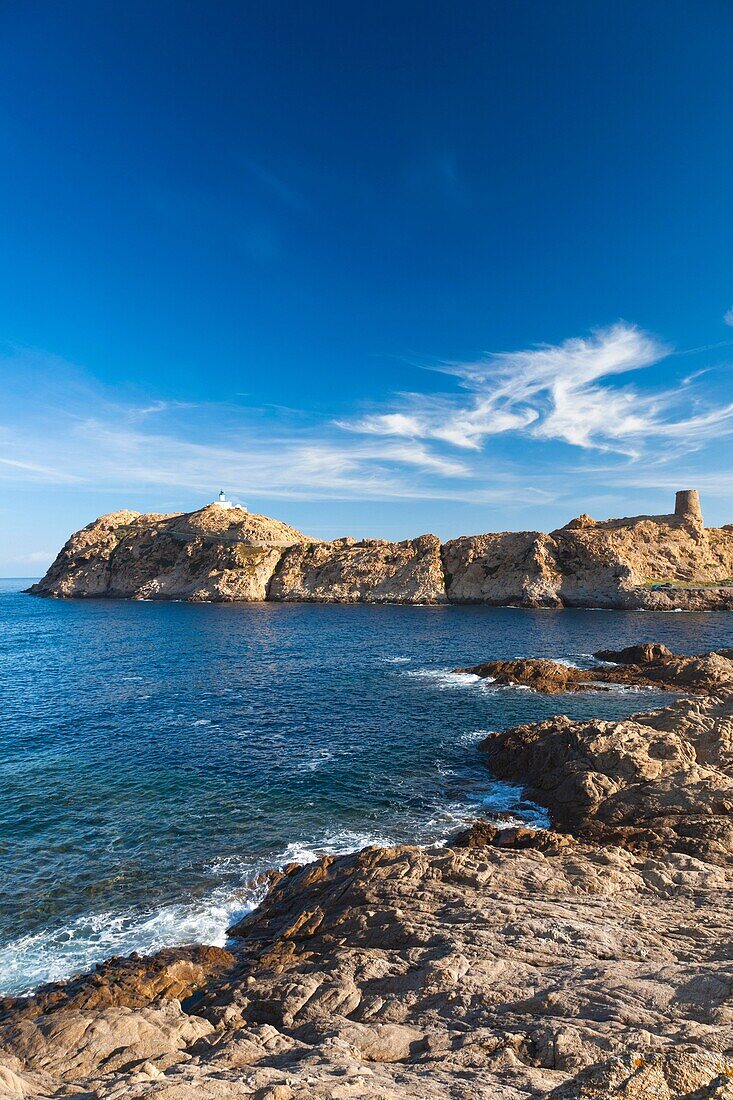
[80, 434]
[556, 393]
[115, 453]
[728, 317]
[61, 428]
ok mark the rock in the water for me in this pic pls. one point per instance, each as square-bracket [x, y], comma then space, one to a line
[654, 782]
[638, 666]
[537, 673]
[635, 654]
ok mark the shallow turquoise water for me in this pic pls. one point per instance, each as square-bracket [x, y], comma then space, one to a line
[156, 756]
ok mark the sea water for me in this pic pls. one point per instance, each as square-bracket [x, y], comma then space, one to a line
[157, 757]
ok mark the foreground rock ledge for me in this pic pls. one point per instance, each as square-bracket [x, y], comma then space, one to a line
[473, 972]
[521, 965]
[653, 562]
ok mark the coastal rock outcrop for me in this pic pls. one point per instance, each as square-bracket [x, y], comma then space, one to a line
[589, 960]
[657, 563]
[638, 666]
[131, 982]
[224, 553]
[656, 782]
[490, 972]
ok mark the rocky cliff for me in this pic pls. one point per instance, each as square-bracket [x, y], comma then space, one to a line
[372, 571]
[592, 960]
[652, 562]
[212, 554]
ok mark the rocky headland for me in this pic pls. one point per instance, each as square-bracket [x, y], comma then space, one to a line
[219, 554]
[590, 960]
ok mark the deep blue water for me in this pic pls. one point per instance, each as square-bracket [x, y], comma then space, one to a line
[156, 756]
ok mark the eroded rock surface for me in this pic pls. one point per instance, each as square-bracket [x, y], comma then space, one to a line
[656, 563]
[131, 982]
[458, 972]
[661, 781]
[371, 571]
[591, 960]
[214, 554]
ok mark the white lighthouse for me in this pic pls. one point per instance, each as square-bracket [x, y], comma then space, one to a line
[221, 501]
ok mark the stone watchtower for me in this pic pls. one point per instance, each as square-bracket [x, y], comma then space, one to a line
[687, 507]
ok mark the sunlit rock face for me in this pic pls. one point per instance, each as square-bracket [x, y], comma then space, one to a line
[654, 562]
[371, 571]
[214, 554]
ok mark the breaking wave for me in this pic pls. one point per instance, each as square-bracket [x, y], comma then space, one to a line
[57, 954]
[443, 678]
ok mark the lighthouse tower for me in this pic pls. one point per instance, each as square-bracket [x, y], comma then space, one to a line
[221, 501]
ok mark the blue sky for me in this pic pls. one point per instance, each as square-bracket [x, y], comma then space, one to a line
[376, 269]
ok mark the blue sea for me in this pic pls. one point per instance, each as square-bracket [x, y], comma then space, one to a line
[156, 757]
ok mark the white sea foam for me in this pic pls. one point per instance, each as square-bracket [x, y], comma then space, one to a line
[502, 795]
[315, 763]
[631, 689]
[56, 954]
[444, 679]
[333, 844]
[472, 737]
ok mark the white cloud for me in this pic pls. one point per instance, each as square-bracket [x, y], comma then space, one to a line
[728, 316]
[82, 436]
[555, 392]
[68, 431]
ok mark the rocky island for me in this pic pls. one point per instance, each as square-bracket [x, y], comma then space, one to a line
[589, 960]
[226, 553]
